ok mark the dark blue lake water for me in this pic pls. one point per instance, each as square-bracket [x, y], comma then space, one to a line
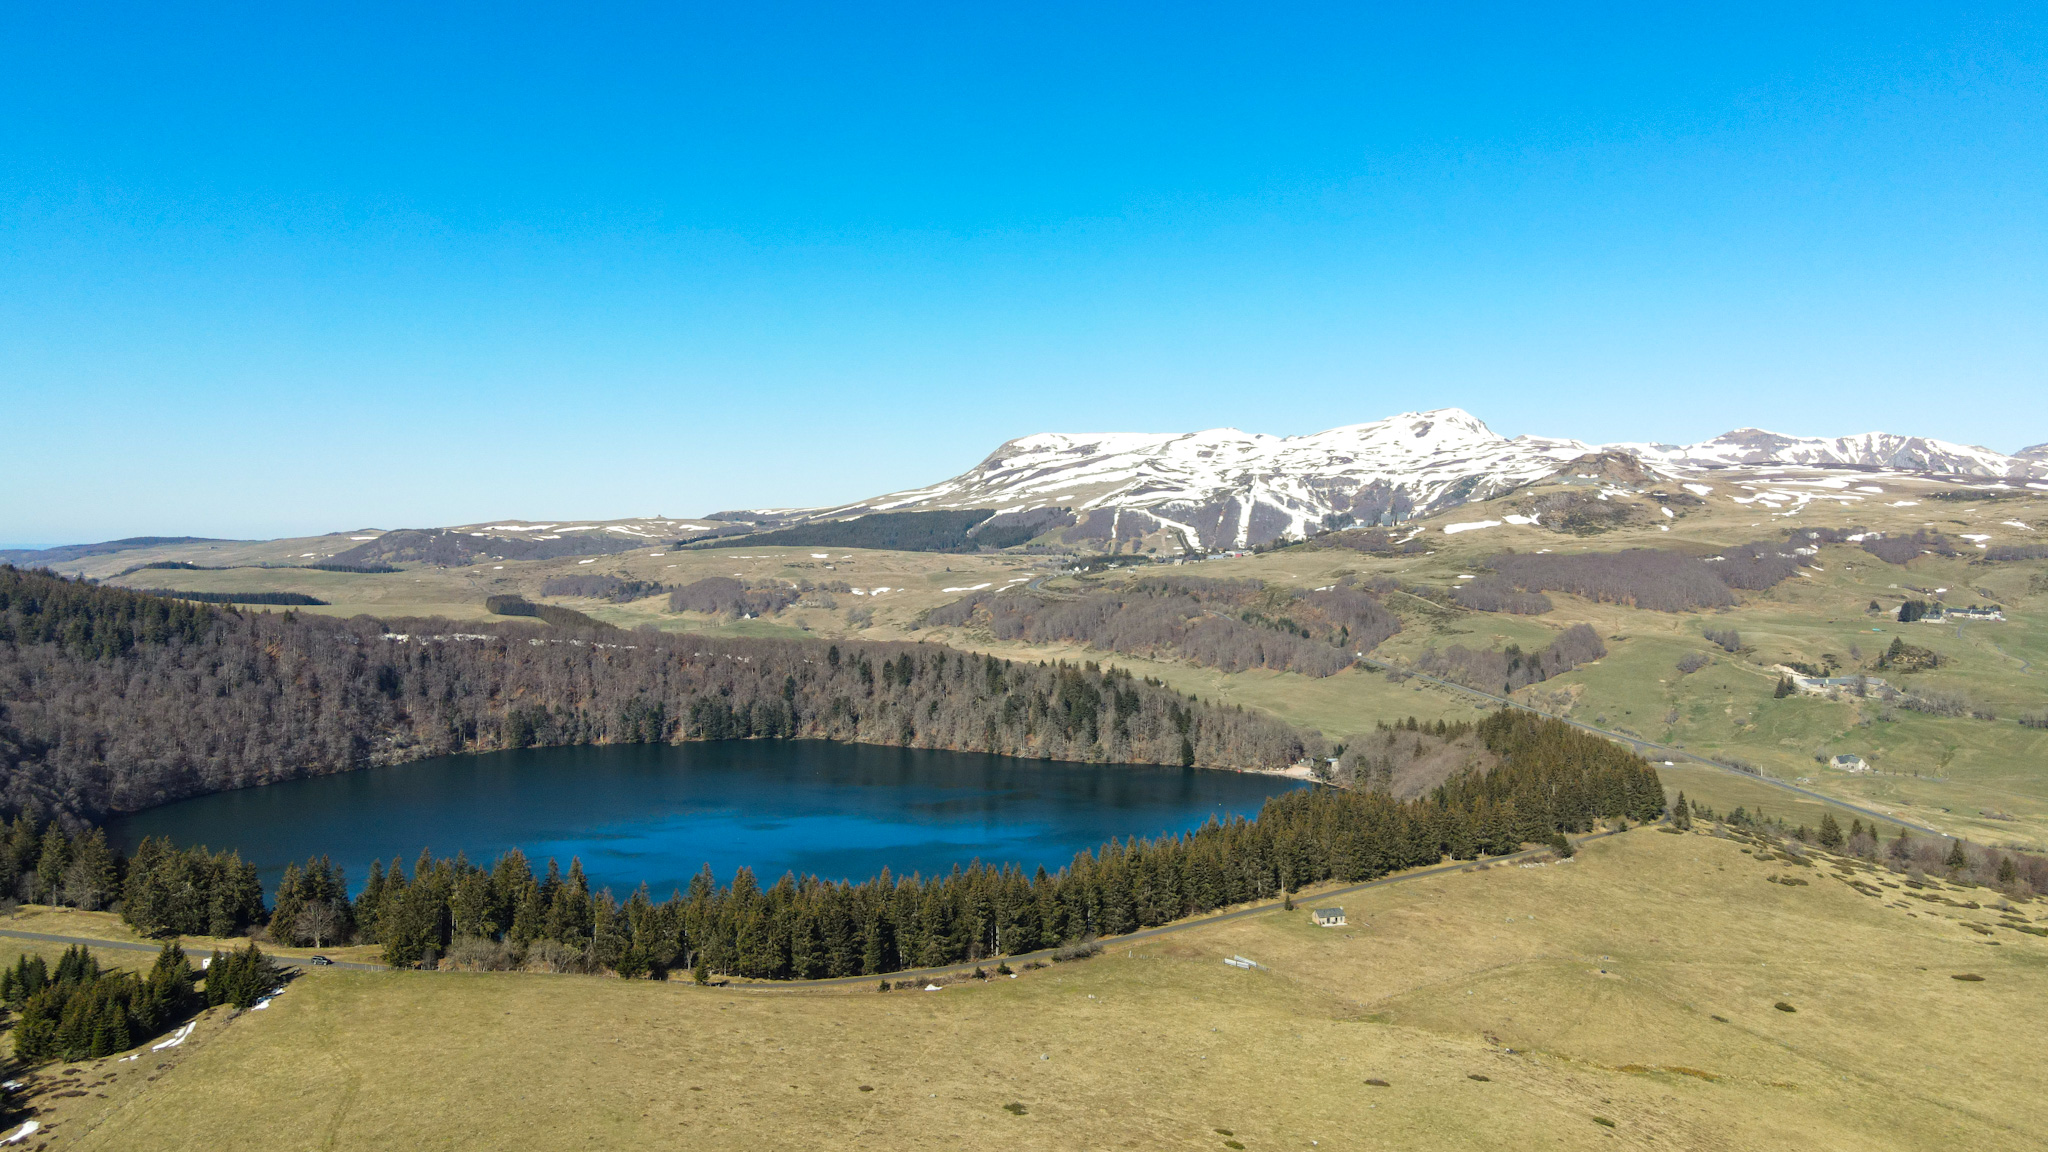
[659, 813]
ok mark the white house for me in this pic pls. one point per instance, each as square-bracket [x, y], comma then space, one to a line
[1848, 763]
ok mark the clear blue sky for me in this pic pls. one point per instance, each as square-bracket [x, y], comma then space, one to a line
[267, 271]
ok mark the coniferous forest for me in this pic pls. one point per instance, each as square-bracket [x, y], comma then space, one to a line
[113, 700]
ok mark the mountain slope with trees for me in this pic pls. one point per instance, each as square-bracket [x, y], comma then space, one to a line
[112, 700]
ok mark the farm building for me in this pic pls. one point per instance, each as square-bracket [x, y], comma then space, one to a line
[1328, 917]
[1848, 763]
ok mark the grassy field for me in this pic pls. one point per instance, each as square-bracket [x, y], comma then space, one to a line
[1506, 1007]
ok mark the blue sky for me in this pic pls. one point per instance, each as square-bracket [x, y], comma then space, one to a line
[267, 272]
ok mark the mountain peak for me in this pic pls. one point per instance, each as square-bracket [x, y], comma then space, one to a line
[1227, 488]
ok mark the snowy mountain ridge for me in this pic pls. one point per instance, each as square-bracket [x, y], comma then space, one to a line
[1224, 488]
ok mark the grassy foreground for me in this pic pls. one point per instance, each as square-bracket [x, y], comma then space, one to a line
[1509, 1007]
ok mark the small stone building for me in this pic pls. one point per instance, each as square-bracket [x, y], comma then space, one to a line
[1328, 917]
[1847, 763]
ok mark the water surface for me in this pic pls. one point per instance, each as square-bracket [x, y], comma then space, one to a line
[659, 813]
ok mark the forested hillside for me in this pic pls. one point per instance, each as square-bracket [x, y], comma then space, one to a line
[112, 700]
[896, 531]
[1227, 624]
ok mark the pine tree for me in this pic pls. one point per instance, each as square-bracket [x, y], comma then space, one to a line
[1681, 814]
[1830, 832]
[240, 978]
[284, 915]
[1958, 859]
[89, 879]
[169, 985]
[50, 865]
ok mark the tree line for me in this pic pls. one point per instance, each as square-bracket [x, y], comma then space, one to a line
[1543, 778]
[1510, 668]
[279, 599]
[113, 701]
[82, 1011]
[945, 531]
[616, 589]
[1228, 624]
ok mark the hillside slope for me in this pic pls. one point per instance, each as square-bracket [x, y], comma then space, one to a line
[1624, 999]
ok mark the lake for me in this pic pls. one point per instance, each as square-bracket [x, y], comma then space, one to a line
[659, 813]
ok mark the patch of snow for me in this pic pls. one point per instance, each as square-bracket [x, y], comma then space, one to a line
[362, 537]
[592, 560]
[1471, 526]
[1463, 576]
[178, 1037]
[1869, 488]
[2018, 525]
[28, 1128]
[1515, 518]
[968, 588]
[1973, 536]
[1668, 513]
[1701, 490]
[821, 555]
[1905, 503]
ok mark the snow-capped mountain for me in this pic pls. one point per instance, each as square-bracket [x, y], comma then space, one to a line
[1225, 488]
[1871, 449]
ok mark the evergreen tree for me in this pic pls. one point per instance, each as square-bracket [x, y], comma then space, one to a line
[284, 915]
[240, 978]
[28, 977]
[1681, 814]
[1830, 832]
[50, 865]
[169, 986]
[90, 877]
[1958, 859]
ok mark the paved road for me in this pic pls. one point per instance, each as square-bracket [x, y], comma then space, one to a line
[1644, 746]
[92, 942]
